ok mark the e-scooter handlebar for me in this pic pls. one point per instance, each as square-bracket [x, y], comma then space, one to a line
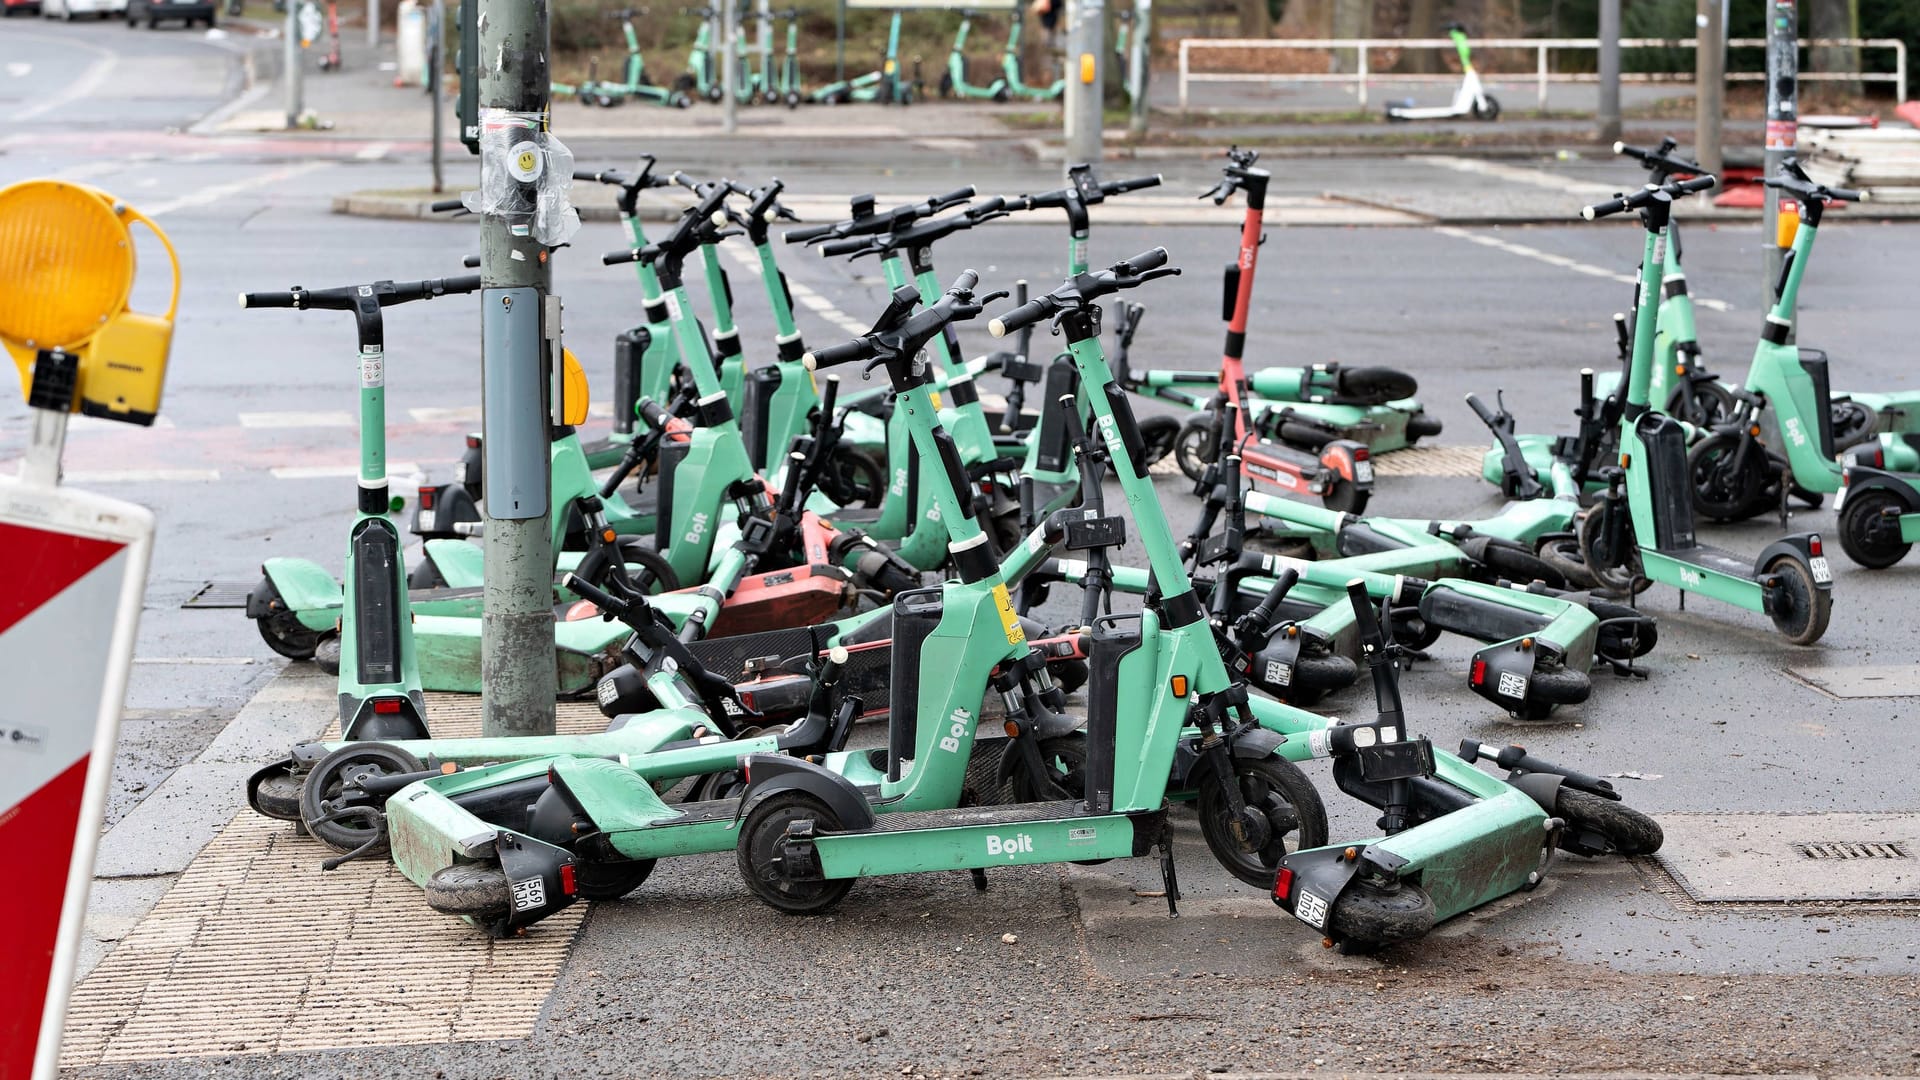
[1253, 626]
[446, 206]
[388, 293]
[1121, 187]
[1795, 181]
[1487, 416]
[613, 607]
[1660, 159]
[1085, 289]
[1638, 199]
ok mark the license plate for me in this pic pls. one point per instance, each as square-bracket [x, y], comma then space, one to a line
[1311, 909]
[428, 519]
[1840, 499]
[1363, 472]
[1822, 572]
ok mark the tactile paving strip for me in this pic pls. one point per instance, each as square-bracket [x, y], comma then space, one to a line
[1430, 461]
[256, 950]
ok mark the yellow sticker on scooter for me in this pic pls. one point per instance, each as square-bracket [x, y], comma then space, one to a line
[935, 396]
[1009, 619]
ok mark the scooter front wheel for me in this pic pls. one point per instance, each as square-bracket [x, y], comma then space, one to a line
[763, 862]
[1609, 827]
[1491, 110]
[1369, 916]
[476, 889]
[1800, 609]
[1727, 486]
[1284, 814]
[609, 880]
[1616, 572]
[1870, 529]
[1158, 436]
[1562, 552]
[327, 790]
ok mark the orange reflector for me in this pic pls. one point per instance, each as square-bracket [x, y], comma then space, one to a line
[1086, 69]
[609, 536]
[1526, 643]
[1754, 431]
[1626, 460]
[1350, 854]
[1012, 728]
[448, 768]
[1179, 684]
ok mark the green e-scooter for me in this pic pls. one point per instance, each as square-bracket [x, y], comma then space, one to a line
[1642, 528]
[887, 86]
[636, 86]
[380, 695]
[1010, 68]
[702, 76]
[953, 81]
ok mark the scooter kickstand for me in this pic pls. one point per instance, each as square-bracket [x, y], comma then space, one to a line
[1169, 880]
[979, 879]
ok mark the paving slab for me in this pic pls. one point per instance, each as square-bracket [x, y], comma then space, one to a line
[1794, 858]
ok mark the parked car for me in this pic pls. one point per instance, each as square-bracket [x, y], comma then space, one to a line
[72, 9]
[8, 7]
[155, 12]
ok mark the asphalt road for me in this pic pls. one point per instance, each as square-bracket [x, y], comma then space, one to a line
[1598, 970]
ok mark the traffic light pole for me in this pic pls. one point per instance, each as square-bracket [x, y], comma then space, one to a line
[519, 324]
[1783, 111]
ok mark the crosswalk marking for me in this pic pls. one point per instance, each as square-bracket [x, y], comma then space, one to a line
[398, 472]
[209, 195]
[1563, 262]
[142, 476]
[295, 419]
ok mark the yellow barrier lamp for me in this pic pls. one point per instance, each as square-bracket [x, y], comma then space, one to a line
[66, 273]
[574, 393]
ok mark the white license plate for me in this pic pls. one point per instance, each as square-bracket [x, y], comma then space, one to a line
[428, 519]
[1311, 909]
[1822, 572]
[1363, 472]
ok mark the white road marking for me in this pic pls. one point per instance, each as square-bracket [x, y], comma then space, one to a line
[218, 192]
[197, 661]
[19, 71]
[1515, 174]
[143, 476]
[1562, 262]
[82, 87]
[802, 295]
[295, 419]
[373, 151]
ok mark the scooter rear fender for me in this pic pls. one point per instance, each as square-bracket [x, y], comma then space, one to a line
[1799, 546]
[308, 591]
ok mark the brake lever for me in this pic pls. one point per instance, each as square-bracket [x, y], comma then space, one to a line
[991, 297]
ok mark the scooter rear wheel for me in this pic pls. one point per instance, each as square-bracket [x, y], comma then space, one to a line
[1867, 534]
[477, 889]
[1562, 552]
[1802, 611]
[1550, 688]
[609, 880]
[762, 836]
[327, 785]
[852, 478]
[658, 572]
[1624, 830]
[1614, 572]
[1196, 444]
[1373, 385]
[282, 630]
[1158, 436]
[1346, 497]
[1371, 916]
[1285, 815]
[1420, 425]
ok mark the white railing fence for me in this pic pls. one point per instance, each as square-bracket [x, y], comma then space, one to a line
[1543, 73]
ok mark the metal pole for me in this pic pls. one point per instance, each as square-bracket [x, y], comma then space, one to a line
[765, 38]
[516, 663]
[1086, 60]
[292, 63]
[840, 45]
[729, 66]
[373, 25]
[1709, 85]
[1609, 126]
[1140, 56]
[1783, 105]
[436, 66]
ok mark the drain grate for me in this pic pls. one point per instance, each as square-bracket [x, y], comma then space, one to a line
[1850, 849]
[220, 594]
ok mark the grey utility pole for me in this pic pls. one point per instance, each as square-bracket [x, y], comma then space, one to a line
[1139, 55]
[1609, 71]
[729, 64]
[373, 24]
[1709, 85]
[516, 661]
[1086, 66]
[292, 63]
[1783, 111]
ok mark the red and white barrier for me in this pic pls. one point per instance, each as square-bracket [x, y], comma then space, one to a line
[75, 572]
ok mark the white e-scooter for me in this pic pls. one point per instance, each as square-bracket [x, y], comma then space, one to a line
[1469, 100]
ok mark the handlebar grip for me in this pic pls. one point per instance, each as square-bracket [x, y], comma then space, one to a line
[847, 246]
[1848, 194]
[267, 299]
[615, 258]
[595, 595]
[808, 234]
[1116, 187]
[989, 206]
[1270, 603]
[446, 206]
[965, 282]
[829, 394]
[833, 355]
[1698, 183]
[656, 416]
[1151, 259]
[1025, 315]
[1605, 209]
[1364, 619]
[1480, 409]
[957, 195]
[471, 261]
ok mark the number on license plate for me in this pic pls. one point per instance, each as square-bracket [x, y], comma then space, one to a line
[1311, 909]
[1822, 572]
[1363, 472]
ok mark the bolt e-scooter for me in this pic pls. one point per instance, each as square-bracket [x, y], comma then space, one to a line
[953, 81]
[702, 76]
[380, 695]
[1642, 528]
[636, 86]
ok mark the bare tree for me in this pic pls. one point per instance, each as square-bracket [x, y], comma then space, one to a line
[1833, 19]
